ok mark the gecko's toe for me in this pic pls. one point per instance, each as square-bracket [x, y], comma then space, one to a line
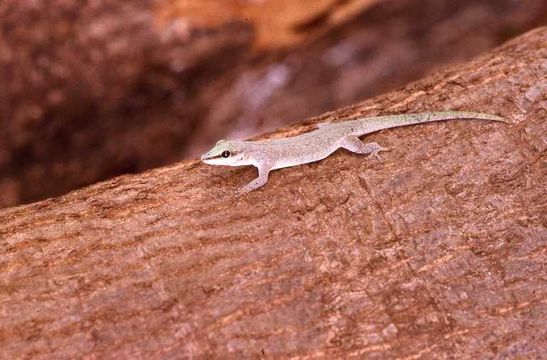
[378, 157]
[244, 190]
[376, 153]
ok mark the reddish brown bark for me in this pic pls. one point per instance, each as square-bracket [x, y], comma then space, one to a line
[90, 90]
[438, 252]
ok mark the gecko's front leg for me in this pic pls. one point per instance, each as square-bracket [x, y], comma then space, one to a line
[260, 181]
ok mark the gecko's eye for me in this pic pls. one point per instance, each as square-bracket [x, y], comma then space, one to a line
[226, 154]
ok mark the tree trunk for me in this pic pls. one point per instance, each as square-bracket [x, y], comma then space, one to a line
[439, 251]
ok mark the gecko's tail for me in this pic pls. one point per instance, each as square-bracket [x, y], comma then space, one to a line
[452, 115]
[385, 122]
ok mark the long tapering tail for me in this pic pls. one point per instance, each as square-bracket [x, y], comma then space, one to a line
[372, 124]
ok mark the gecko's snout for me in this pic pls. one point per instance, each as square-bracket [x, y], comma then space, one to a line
[207, 156]
[210, 158]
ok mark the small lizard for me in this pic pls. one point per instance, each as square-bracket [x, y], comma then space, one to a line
[316, 145]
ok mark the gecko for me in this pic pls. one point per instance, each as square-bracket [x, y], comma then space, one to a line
[272, 154]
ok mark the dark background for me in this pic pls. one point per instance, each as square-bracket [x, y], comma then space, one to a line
[93, 89]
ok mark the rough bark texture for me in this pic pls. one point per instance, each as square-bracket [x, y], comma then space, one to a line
[438, 252]
[92, 89]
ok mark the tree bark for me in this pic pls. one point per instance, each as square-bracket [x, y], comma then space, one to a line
[94, 89]
[437, 252]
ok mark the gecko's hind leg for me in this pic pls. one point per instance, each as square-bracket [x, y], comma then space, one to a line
[354, 144]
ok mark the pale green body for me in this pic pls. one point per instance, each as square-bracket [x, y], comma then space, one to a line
[268, 155]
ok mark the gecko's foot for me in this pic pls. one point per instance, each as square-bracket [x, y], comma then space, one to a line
[243, 190]
[247, 188]
[375, 150]
[260, 181]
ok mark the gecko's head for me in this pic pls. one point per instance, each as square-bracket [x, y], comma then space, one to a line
[228, 153]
